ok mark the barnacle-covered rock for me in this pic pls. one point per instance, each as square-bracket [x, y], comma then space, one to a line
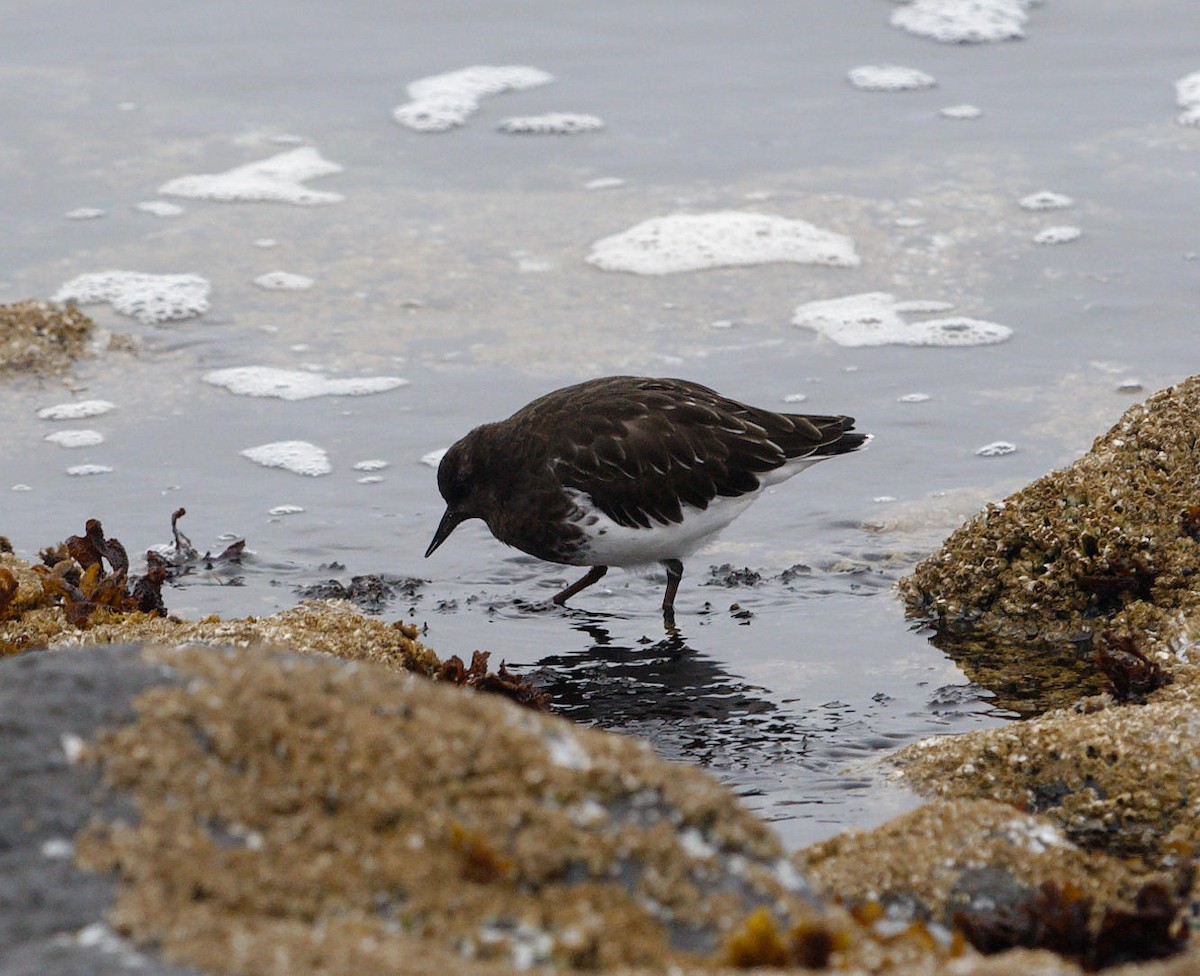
[1112, 540]
[40, 337]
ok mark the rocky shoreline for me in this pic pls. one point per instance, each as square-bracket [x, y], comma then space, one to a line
[325, 807]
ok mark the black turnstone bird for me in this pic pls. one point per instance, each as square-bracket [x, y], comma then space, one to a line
[626, 471]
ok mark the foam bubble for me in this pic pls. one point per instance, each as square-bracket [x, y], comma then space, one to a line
[889, 78]
[373, 464]
[75, 438]
[21, 487]
[961, 112]
[291, 384]
[159, 208]
[913, 398]
[434, 458]
[370, 479]
[873, 319]
[445, 101]
[85, 213]
[795, 398]
[1058, 235]
[1045, 200]
[285, 510]
[996, 449]
[265, 242]
[299, 457]
[277, 178]
[692, 242]
[149, 298]
[919, 306]
[604, 183]
[283, 281]
[963, 21]
[552, 123]
[1187, 96]
[76, 410]
[87, 470]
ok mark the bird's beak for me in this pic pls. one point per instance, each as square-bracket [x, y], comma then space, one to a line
[447, 525]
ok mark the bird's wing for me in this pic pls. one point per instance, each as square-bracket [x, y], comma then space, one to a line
[645, 448]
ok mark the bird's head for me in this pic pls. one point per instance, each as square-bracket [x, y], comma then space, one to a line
[456, 482]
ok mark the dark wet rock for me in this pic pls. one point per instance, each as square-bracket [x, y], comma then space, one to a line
[728, 575]
[372, 593]
[51, 911]
[795, 571]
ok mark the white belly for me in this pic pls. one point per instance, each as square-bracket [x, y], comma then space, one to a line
[611, 544]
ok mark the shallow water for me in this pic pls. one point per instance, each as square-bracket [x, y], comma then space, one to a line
[457, 261]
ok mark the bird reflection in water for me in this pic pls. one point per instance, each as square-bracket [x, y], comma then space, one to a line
[664, 690]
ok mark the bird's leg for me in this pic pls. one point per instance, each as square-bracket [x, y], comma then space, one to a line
[674, 574]
[588, 579]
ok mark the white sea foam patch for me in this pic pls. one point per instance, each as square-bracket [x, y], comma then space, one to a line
[1062, 234]
[76, 410]
[445, 101]
[962, 112]
[149, 298]
[550, 124]
[299, 457]
[159, 208]
[293, 384]
[693, 242]
[889, 78]
[1045, 200]
[85, 213]
[278, 178]
[875, 319]
[964, 21]
[1187, 96]
[75, 438]
[604, 183]
[283, 281]
[87, 470]
[434, 458]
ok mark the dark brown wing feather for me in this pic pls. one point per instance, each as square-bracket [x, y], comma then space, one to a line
[642, 448]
